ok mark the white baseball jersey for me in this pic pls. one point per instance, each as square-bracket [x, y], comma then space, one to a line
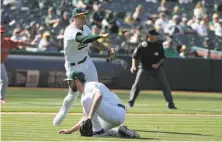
[75, 52]
[109, 114]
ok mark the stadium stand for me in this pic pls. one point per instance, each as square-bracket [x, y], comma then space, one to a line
[189, 22]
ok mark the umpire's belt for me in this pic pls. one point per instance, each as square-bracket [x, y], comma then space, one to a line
[80, 62]
[122, 106]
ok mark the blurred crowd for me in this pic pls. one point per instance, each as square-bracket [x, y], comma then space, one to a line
[44, 22]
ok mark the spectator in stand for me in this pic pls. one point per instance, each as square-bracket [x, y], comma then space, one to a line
[218, 29]
[80, 3]
[169, 48]
[51, 20]
[202, 29]
[199, 10]
[5, 18]
[184, 26]
[184, 1]
[136, 36]
[137, 15]
[163, 6]
[200, 26]
[16, 34]
[109, 23]
[195, 25]
[133, 38]
[25, 33]
[98, 14]
[38, 35]
[184, 52]
[176, 10]
[215, 21]
[60, 38]
[64, 4]
[208, 43]
[129, 18]
[65, 20]
[206, 21]
[20, 34]
[162, 22]
[46, 43]
[14, 4]
[96, 31]
[174, 26]
[33, 30]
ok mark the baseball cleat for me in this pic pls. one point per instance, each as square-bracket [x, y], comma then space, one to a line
[171, 106]
[130, 104]
[127, 133]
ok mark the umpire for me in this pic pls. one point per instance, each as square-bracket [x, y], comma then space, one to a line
[150, 55]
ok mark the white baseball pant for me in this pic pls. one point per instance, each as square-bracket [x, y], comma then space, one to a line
[107, 117]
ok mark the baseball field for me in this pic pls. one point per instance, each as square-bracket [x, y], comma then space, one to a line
[28, 115]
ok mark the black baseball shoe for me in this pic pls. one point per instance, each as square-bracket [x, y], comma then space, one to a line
[127, 133]
[171, 106]
[130, 104]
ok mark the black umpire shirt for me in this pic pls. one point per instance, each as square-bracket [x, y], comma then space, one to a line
[148, 53]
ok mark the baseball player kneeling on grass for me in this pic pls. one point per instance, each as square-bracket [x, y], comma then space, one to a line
[103, 110]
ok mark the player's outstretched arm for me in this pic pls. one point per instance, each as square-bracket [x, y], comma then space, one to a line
[29, 44]
[16, 44]
[75, 128]
[89, 38]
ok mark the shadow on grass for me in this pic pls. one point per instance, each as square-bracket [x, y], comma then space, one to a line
[141, 138]
[180, 133]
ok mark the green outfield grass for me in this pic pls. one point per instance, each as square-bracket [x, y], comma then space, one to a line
[198, 118]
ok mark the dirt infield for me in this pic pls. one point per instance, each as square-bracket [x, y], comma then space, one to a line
[129, 114]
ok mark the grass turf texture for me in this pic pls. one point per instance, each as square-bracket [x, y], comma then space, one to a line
[199, 116]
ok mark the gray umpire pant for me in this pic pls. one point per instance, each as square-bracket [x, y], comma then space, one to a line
[158, 74]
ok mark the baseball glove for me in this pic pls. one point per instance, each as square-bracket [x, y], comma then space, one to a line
[111, 56]
[86, 128]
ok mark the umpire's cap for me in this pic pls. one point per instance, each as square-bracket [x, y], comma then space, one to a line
[78, 11]
[153, 32]
[76, 75]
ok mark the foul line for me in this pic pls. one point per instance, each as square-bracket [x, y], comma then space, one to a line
[129, 114]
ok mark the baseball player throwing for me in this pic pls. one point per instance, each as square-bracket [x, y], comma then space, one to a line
[77, 41]
[101, 107]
